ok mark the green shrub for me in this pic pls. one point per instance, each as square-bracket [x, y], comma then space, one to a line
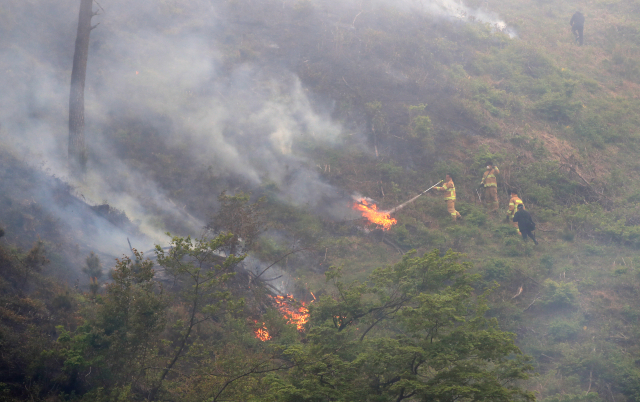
[476, 218]
[421, 127]
[540, 195]
[411, 236]
[621, 271]
[634, 198]
[591, 129]
[593, 250]
[584, 219]
[390, 171]
[521, 250]
[504, 230]
[472, 214]
[401, 232]
[545, 215]
[496, 270]
[512, 242]
[452, 167]
[559, 294]
[556, 107]
[546, 262]
[631, 313]
[462, 233]
[568, 235]
[480, 158]
[562, 330]
[590, 397]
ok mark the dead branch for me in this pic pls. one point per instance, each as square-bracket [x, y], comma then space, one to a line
[534, 300]
[389, 242]
[519, 292]
[527, 276]
[345, 82]
[280, 259]
[272, 279]
[353, 24]
[573, 169]
[95, 1]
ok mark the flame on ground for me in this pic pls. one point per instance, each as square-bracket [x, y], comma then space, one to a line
[294, 315]
[370, 211]
[262, 333]
[298, 315]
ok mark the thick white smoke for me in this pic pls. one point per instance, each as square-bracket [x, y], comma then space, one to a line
[458, 10]
[165, 64]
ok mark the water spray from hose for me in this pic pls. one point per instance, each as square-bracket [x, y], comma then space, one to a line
[399, 207]
[382, 218]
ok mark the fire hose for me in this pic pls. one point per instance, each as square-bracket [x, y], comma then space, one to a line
[413, 199]
[431, 187]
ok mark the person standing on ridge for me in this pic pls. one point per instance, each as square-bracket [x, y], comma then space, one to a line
[525, 224]
[577, 26]
[514, 202]
[450, 196]
[490, 183]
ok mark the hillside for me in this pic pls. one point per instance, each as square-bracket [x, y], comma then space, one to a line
[293, 108]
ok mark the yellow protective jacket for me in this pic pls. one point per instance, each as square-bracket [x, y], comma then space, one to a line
[450, 190]
[513, 205]
[489, 177]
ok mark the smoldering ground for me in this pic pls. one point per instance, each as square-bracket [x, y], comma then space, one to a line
[167, 89]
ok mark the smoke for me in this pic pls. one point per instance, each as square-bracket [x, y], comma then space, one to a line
[242, 122]
[169, 69]
[275, 276]
[458, 10]
[448, 9]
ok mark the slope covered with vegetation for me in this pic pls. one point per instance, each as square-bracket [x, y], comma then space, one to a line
[416, 96]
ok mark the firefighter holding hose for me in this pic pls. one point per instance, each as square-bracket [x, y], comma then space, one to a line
[450, 196]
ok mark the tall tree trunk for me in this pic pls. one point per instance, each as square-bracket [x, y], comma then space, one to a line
[77, 148]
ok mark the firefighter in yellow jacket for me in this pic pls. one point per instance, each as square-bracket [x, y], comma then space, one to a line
[450, 197]
[513, 208]
[490, 183]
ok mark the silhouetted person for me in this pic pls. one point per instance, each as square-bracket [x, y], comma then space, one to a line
[525, 224]
[577, 26]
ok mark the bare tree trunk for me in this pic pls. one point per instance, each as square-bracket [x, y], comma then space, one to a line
[77, 148]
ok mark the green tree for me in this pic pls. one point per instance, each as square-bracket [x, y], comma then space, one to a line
[244, 220]
[376, 121]
[94, 270]
[414, 331]
[118, 342]
[138, 337]
[93, 267]
[200, 273]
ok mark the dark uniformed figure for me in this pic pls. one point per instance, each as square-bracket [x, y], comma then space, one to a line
[577, 26]
[525, 224]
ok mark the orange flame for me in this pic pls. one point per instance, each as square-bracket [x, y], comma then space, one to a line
[370, 211]
[262, 333]
[298, 316]
[294, 315]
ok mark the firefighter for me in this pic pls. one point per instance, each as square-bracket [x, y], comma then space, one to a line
[525, 223]
[577, 26]
[514, 202]
[490, 184]
[450, 197]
